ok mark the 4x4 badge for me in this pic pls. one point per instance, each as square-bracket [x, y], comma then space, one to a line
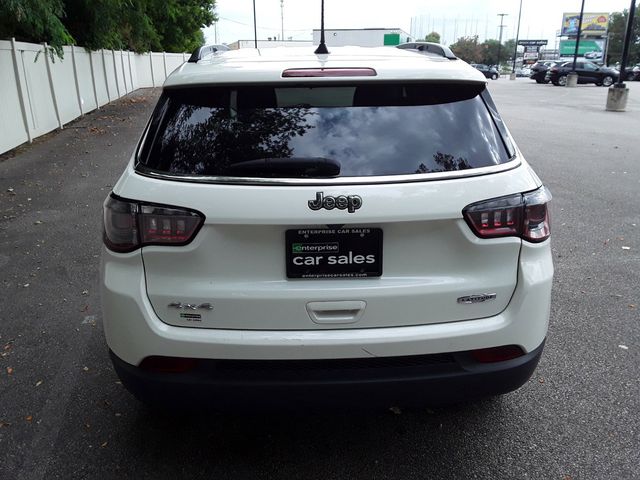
[351, 203]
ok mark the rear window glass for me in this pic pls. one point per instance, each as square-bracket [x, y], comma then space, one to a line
[322, 131]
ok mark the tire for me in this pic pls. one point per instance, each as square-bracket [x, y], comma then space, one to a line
[607, 81]
[540, 81]
[562, 80]
[494, 76]
[630, 77]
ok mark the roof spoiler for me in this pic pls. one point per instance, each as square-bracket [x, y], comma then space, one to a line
[430, 47]
[201, 52]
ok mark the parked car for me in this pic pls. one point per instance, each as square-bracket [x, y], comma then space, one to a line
[357, 226]
[539, 71]
[523, 72]
[632, 73]
[487, 71]
[588, 72]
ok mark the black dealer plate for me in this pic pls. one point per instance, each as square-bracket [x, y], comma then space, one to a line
[334, 252]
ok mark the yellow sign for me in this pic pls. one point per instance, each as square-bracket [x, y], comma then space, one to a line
[592, 23]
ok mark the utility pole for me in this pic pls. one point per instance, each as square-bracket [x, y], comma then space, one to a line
[501, 26]
[282, 20]
[515, 50]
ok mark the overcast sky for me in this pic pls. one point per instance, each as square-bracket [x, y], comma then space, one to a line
[455, 18]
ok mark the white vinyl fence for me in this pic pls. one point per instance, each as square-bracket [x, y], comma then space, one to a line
[38, 95]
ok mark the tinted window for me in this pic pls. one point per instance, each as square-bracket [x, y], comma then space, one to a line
[320, 132]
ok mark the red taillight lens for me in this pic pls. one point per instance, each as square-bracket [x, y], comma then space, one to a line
[168, 364]
[129, 225]
[497, 354]
[329, 72]
[521, 215]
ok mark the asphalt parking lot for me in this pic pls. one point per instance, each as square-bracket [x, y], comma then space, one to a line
[63, 413]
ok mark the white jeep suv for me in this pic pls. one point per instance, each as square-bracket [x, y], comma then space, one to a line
[295, 227]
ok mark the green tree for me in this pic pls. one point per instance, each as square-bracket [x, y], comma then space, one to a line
[490, 52]
[432, 37]
[35, 21]
[617, 30]
[179, 22]
[139, 25]
[508, 47]
[468, 49]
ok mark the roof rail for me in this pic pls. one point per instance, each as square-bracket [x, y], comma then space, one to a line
[429, 47]
[201, 52]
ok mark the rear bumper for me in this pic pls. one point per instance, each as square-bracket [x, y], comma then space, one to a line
[388, 381]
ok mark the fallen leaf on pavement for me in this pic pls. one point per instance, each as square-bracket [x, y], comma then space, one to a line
[395, 410]
[623, 347]
[104, 445]
[28, 418]
[38, 383]
[9, 370]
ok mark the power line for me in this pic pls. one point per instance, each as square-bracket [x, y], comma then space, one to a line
[265, 28]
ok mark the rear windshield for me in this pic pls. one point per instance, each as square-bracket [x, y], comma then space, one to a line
[322, 131]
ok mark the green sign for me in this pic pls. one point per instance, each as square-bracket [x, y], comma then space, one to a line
[568, 47]
[391, 39]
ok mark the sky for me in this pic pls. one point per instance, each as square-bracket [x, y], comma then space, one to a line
[541, 19]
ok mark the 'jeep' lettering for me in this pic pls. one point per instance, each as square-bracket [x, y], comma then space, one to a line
[351, 203]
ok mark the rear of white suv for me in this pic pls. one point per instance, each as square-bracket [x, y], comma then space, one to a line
[358, 223]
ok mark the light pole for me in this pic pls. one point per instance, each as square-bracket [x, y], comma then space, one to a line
[502, 25]
[255, 26]
[572, 78]
[619, 94]
[515, 49]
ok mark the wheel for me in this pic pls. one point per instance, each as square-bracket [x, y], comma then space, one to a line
[545, 81]
[494, 76]
[540, 81]
[562, 80]
[607, 81]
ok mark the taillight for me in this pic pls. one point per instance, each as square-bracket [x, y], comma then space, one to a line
[129, 225]
[521, 215]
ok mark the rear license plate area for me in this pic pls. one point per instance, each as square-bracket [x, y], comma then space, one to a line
[334, 252]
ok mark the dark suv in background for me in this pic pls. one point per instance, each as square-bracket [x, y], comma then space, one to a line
[588, 72]
[486, 70]
[539, 71]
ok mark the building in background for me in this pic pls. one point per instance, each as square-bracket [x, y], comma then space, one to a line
[363, 37]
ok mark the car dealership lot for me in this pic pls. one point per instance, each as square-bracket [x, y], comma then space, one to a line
[63, 413]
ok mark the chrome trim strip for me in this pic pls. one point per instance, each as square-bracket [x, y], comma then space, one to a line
[373, 180]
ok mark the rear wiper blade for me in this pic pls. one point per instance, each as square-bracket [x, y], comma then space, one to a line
[287, 167]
